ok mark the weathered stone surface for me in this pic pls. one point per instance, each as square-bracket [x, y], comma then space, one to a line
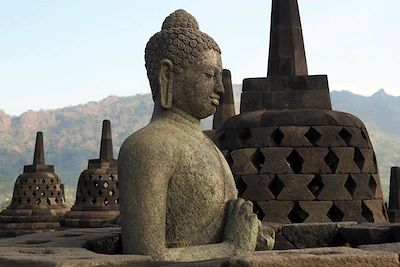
[275, 160]
[226, 108]
[362, 234]
[242, 163]
[317, 210]
[257, 187]
[329, 136]
[282, 243]
[312, 235]
[386, 247]
[313, 160]
[38, 200]
[376, 208]
[276, 211]
[295, 187]
[346, 162]
[362, 190]
[333, 187]
[349, 211]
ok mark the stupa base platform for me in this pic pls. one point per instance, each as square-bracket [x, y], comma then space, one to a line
[102, 247]
[90, 219]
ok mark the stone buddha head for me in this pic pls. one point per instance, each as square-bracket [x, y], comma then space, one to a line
[184, 67]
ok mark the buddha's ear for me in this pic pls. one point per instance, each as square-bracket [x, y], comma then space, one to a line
[165, 77]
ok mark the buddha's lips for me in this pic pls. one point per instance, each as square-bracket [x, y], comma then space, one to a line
[215, 100]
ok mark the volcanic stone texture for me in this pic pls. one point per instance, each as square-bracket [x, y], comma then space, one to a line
[97, 196]
[38, 200]
[304, 165]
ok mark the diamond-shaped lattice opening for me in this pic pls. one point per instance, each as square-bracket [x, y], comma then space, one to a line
[112, 177]
[42, 194]
[48, 201]
[277, 136]
[90, 177]
[364, 134]
[28, 200]
[96, 184]
[297, 214]
[38, 201]
[367, 213]
[240, 185]
[346, 136]
[372, 184]
[244, 134]
[221, 138]
[350, 185]
[257, 159]
[100, 193]
[359, 159]
[43, 181]
[295, 161]
[111, 193]
[276, 186]
[56, 200]
[316, 185]
[335, 214]
[375, 162]
[106, 201]
[37, 188]
[34, 194]
[332, 161]
[105, 184]
[313, 136]
[89, 192]
[229, 159]
[34, 181]
[52, 181]
[94, 200]
[258, 211]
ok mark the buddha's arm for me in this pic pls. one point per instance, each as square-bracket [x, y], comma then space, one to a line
[143, 179]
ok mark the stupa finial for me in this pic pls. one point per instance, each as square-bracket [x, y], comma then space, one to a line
[106, 146]
[286, 52]
[38, 157]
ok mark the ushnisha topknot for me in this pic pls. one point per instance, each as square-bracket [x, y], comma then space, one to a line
[180, 19]
[180, 40]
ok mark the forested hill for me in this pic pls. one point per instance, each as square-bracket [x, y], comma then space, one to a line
[72, 134]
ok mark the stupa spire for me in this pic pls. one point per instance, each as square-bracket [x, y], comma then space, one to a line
[287, 55]
[106, 146]
[38, 157]
[226, 108]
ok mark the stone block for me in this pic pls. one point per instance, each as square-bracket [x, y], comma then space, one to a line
[312, 235]
[333, 187]
[281, 243]
[294, 136]
[242, 164]
[329, 136]
[276, 211]
[366, 233]
[275, 160]
[369, 165]
[313, 159]
[317, 211]
[345, 162]
[358, 137]
[261, 137]
[295, 187]
[377, 210]
[258, 187]
[348, 210]
[362, 189]
[377, 189]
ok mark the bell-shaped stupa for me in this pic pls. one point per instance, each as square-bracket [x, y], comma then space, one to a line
[97, 197]
[291, 154]
[38, 200]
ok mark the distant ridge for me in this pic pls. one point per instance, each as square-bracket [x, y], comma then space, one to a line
[72, 134]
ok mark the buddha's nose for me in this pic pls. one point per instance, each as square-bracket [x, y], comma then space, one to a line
[219, 86]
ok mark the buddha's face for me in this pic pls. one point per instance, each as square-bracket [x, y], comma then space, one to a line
[197, 88]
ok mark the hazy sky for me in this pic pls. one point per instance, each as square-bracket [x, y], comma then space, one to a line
[57, 53]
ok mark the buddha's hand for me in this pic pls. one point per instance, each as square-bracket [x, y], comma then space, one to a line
[241, 226]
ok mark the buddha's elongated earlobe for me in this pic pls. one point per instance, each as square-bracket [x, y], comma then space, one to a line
[165, 77]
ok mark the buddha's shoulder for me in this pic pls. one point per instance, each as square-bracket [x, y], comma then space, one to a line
[154, 138]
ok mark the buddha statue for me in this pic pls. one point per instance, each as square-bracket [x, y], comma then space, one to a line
[177, 194]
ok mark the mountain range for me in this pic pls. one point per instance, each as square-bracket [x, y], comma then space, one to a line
[72, 134]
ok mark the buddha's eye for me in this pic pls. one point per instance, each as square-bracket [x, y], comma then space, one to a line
[209, 74]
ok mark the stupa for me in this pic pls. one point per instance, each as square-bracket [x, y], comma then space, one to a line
[38, 200]
[394, 195]
[226, 107]
[291, 154]
[97, 197]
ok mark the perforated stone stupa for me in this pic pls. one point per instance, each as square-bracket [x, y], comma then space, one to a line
[38, 200]
[97, 196]
[291, 154]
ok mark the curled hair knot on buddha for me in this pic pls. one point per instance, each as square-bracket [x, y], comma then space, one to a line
[180, 41]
